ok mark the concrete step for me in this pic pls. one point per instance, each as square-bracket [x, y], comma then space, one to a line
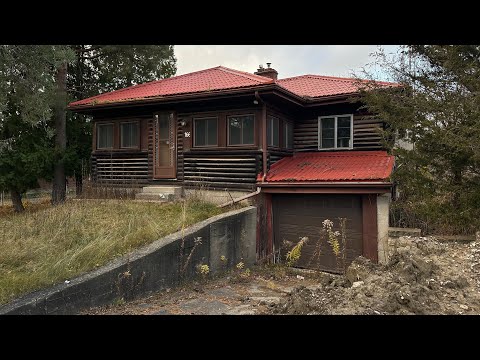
[154, 197]
[175, 190]
[397, 232]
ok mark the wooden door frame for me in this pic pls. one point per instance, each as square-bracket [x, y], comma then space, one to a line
[173, 123]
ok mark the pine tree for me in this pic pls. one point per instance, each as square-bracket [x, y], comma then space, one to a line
[27, 96]
[438, 111]
[37, 82]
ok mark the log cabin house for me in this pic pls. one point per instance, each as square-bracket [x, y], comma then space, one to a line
[299, 145]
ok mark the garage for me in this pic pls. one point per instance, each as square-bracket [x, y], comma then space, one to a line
[299, 215]
[300, 192]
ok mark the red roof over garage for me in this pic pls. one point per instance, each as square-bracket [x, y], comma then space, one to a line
[332, 166]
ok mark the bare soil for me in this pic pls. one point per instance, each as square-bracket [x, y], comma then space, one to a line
[423, 276]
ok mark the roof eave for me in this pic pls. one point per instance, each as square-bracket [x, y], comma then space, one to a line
[325, 184]
[174, 98]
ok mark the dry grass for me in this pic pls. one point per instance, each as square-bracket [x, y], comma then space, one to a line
[48, 246]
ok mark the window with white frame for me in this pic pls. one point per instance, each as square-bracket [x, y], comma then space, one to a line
[335, 132]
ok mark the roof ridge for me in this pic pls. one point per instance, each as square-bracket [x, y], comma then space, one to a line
[248, 75]
[243, 74]
[340, 78]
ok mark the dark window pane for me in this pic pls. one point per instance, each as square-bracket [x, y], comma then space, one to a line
[273, 131]
[343, 132]
[328, 133]
[241, 130]
[128, 135]
[248, 129]
[235, 131]
[328, 123]
[327, 143]
[199, 135]
[212, 132]
[343, 142]
[105, 136]
[327, 127]
[343, 121]
[205, 132]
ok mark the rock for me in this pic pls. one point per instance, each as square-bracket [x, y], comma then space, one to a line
[357, 284]
[464, 307]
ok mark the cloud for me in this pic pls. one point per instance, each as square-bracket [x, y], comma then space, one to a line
[288, 60]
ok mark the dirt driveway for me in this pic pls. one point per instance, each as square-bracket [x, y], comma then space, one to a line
[424, 276]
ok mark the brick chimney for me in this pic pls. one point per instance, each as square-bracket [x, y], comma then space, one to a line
[267, 72]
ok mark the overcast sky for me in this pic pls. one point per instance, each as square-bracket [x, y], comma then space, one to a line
[288, 60]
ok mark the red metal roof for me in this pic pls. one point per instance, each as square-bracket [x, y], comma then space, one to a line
[217, 78]
[221, 78]
[333, 166]
[318, 86]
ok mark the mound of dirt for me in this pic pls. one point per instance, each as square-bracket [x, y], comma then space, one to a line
[423, 276]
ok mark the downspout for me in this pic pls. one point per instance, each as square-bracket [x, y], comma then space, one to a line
[264, 135]
[244, 197]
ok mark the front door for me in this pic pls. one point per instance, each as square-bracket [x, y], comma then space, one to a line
[165, 146]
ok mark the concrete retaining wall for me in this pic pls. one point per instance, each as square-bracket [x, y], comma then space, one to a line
[383, 205]
[154, 267]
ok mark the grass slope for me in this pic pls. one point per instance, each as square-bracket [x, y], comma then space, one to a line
[51, 245]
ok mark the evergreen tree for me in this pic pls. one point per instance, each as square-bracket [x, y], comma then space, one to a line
[102, 68]
[37, 82]
[27, 96]
[437, 110]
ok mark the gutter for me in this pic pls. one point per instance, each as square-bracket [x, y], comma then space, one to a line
[165, 99]
[325, 184]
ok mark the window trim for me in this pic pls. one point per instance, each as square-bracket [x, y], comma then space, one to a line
[137, 122]
[194, 133]
[270, 117]
[97, 134]
[286, 123]
[350, 147]
[254, 131]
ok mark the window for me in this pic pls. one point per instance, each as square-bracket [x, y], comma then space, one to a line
[129, 135]
[273, 131]
[335, 132]
[205, 132]
[241, 130]
[288, 135]
[104, 136]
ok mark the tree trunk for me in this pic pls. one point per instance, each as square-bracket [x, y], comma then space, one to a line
[457, 185]
[59, 181]
[78, 183]
[16, 201]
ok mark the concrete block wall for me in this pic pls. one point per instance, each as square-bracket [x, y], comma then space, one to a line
[151, 268]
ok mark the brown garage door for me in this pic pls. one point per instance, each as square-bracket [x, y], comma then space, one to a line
[298, 215]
